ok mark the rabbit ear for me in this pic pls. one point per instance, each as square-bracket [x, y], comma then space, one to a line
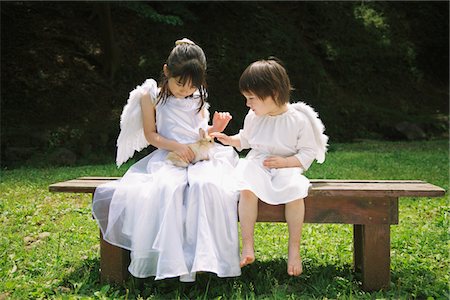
[202, 133]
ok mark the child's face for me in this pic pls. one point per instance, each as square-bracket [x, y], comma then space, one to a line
[260, 107]
[180, 90]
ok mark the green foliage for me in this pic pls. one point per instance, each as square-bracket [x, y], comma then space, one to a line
[364, 66]
[64, 135]
[49, 242]
[145, 10]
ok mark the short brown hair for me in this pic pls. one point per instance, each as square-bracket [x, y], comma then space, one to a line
[266, 78]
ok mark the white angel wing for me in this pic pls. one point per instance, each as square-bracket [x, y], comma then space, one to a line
[131, 137]
[318, 128]
[206, 115]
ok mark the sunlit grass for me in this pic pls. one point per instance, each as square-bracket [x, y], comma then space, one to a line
[49, 242]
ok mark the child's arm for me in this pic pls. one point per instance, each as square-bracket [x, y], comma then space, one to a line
[220, 121]
[234, 140]
[282, 162]
[152, 136]
[306, 147]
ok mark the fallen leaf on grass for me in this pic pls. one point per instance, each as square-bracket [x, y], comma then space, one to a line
[43, 235]
[13, 270]
[63, 289]
[31, 241]
[4, 296]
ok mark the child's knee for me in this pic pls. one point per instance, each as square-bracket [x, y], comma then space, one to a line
[295, 203]
[248, 195]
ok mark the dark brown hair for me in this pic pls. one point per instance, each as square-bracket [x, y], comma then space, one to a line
[266, 78]
[187, 61]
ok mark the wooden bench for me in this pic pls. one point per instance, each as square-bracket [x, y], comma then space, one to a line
[370, 205]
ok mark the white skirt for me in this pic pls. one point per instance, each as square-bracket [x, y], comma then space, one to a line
[175, 221]
[272, 186]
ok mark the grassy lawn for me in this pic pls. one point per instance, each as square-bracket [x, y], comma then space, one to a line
[49, 242]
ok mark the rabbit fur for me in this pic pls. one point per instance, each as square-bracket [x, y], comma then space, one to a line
[200, 149]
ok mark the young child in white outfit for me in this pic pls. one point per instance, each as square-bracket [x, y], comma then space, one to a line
[176, 221]
[284, 139]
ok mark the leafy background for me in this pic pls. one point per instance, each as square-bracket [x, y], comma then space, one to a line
[67, 67]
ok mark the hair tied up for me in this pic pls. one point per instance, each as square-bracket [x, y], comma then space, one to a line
[275, 59]
[184, 41]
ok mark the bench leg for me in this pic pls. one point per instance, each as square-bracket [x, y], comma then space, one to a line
[114, 263]
[357, 248]
[372, 255]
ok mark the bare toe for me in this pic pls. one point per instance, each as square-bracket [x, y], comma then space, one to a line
[247, 256]
[294, 265]
[246, 261]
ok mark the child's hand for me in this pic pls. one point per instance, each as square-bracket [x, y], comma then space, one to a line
[220, 121]
[227, 140]
[185, 153]
[222, 137]
[275, 162]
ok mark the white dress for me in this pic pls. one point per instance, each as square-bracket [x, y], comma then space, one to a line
[176, 221]
[299, 132]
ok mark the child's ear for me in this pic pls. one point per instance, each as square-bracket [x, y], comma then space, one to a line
[276, 98]
[166, 70]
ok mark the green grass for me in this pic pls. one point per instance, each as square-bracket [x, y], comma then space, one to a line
[49, 242]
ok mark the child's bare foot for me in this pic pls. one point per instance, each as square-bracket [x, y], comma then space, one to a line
[247, 256]
[294, 267]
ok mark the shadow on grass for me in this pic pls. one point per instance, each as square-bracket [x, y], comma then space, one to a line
[261, 279]
[267, 280]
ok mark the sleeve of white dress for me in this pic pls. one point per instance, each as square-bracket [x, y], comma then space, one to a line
[244, 132]
[131, 137]
[312, 143]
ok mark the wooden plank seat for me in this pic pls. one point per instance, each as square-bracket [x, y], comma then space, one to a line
[371, 206]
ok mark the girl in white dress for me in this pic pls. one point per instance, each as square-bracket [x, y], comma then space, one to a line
[176, 221]
[285, 139]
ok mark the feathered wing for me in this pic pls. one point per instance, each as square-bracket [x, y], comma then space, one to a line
[131, 137]
[206, 110]
[318, 128]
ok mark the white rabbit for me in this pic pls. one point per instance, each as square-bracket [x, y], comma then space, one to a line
[200, 149]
